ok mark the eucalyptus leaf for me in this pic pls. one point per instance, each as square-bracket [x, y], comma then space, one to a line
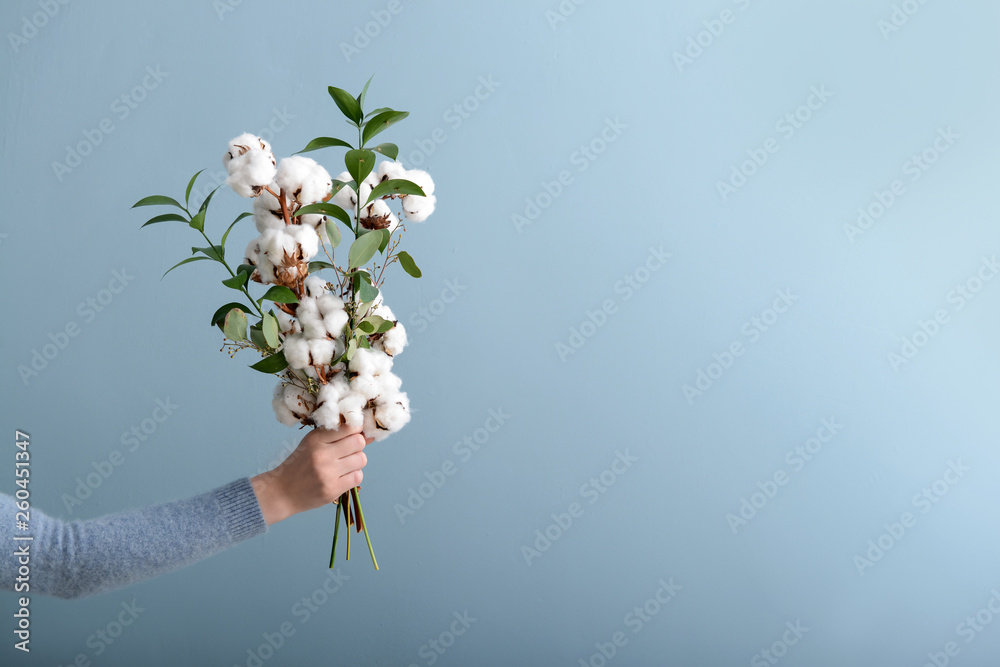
[317, 265]
[325, 208]
[220, 314]
[333, 232]
[235, 325]
[408, 264]
[363, 249]
[367, 293]
[269, 325]
[257, 337]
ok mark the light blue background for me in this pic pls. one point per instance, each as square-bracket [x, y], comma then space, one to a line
[495, 346]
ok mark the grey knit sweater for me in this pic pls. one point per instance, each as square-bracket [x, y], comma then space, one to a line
[78, 558]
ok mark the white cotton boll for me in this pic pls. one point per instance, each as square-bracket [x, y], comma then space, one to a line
[346, 197]
[265, 217]
[286, 323]
[367, 185]
[318, 223]
[370, 362]
[252, 253]
[314, 286]
[378, 215]
[276, 244]
[421, 178]
[335, 322]
[281, 411]
[327, 412]
[242, 144]
[297, 351]
[250, 172]
[394, 340]
[389, 170]
[370, 427]
[418, 209]
[306, 238]
[310, 318]
[265, 270]
[367, 386]
[299, 400]
[351, 407]
[321, 351]
[303, 179]
[394, 413]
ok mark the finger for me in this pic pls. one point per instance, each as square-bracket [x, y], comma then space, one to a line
[333, 435]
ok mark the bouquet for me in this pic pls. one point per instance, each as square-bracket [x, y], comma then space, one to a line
[323, 329]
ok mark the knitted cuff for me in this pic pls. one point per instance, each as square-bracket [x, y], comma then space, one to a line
[240, 510]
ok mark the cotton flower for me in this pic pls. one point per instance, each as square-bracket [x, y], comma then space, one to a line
[252, 253]
[327, 412]
[389, 170]
[250, 165]
[377, 215]
[421, 178]
[296, 349]
[351, 408]
[267, 213]
[346, 198]
[314, 286]
[286, 323]
[417, 208]
[394, 340]
[303, 179]
[370, 362]
[307, 240]
[291, 403]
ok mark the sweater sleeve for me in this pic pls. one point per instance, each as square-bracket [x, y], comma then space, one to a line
[78, 558]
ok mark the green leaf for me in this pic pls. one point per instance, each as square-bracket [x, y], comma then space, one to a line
[381, 122]
[324, 142]
[325, 208]
[235, 326]
[318, 266]
[375, 324]
[395, 186]
[408, 264]
[249, 268]
[359, 164]
[187, 193]
[391, 151]
[340, 185]
[269, 325]
[363, 249]
[333, 232]
[158, 200]
[166, 217]
[375, 112]
[237, 282]
[385, 326]
[386, 234]
[186, 261]
[280, 294]
[257, 337]
[272, 364]
[364, 91]
[220, 314]
[347, 104]
[367, 293]
[198, 221]
[212, 252]
[226, 235]
[352, 347]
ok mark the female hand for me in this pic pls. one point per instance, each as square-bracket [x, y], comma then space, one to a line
[325, 465]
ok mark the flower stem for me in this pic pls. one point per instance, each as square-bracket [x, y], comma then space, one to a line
[364, 525]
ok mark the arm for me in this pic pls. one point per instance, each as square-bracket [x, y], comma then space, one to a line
[78, 558]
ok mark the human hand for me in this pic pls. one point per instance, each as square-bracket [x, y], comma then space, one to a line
[325, 465]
